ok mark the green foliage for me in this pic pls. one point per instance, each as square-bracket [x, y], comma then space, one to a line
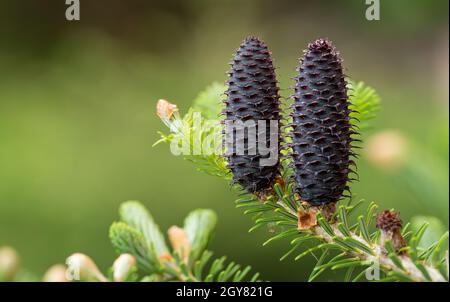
[434, 231]
[138, 234]
[136, 216]
[219, 271]
[206, 109]
[365, 103]
[209, 101]
[199, 226]
[126, 239]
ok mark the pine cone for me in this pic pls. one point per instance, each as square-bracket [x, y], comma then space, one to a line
[321, 135]
[252, 94]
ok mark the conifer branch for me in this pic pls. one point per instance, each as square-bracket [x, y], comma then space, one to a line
[144, 255]
[343, 243]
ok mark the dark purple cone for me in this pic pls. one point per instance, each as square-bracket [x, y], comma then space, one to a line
[252, 94]
[321, 135]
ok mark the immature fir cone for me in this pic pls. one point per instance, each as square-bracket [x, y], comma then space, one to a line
[321, 135]
[252, 94]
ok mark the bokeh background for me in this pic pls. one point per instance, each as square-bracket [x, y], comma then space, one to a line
[77, 119]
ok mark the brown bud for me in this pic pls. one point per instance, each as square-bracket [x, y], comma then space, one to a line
[307, 218]
[165, 110]
[389, 221]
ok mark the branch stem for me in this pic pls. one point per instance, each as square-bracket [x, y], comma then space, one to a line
[379, 256]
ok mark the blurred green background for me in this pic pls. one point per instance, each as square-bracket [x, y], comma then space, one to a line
[77, 119]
